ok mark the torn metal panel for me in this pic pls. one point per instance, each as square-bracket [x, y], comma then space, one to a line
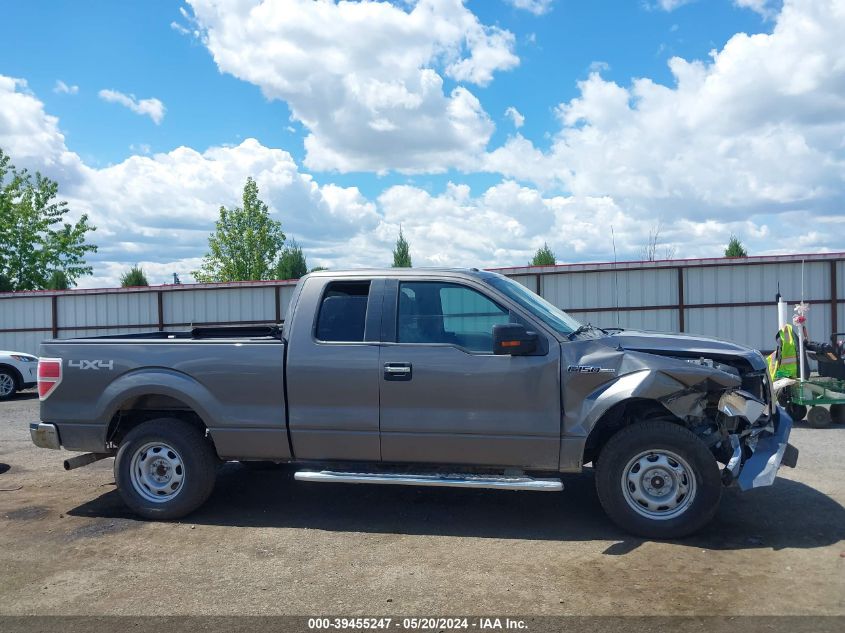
[762, 467]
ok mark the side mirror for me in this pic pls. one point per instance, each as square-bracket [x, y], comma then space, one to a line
[513, 339]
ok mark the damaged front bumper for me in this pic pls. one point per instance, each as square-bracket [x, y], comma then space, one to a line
[770, 451]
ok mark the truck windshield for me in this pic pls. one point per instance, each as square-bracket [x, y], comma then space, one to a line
[552, 316]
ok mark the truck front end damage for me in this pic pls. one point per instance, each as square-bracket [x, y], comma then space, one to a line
[719, 391]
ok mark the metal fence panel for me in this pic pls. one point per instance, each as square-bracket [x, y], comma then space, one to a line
[25, 312]
[220, 305]
[628, 288]
[754, 283]
[285, 295]
[26, 342]
[84, 311]
[754, 326]
[735, 299]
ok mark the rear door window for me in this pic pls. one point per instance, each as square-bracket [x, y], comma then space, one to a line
[343, 312]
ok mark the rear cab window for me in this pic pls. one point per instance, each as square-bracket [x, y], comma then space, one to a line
[342, 315]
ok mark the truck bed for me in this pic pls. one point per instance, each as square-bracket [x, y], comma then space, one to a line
[232, 377]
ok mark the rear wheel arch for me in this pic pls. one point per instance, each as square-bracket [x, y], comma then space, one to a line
[138, 409]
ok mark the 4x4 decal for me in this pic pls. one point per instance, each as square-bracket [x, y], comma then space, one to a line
[91, 364]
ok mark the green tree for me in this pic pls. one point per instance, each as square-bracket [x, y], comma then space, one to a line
[735, 248]
[57, 281]
[245, 244]
[5, 284]
[134, 277]
[292, 263]
[35, 240]
[318, 269]
[544, 257]
[402, 252]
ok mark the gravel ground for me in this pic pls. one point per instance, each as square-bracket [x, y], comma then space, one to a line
[266, 544]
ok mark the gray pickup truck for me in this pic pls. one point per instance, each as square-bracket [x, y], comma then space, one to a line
[457, 378]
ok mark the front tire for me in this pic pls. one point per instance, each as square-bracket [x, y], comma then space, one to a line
[165, 469]
[8, 384]
[658, 480]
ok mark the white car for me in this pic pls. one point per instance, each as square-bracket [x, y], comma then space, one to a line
[17, 371]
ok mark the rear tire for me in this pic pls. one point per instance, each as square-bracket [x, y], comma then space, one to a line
[8, 384]
[818, 417]
[658, 480]
[165, 469]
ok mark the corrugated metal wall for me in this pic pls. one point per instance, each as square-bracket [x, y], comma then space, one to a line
[26, 319]
[730, 299]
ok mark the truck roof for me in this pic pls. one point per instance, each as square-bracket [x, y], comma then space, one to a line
[395, 272]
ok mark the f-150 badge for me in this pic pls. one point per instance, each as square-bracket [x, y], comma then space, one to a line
[589, 369]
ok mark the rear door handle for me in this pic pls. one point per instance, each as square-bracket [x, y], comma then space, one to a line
[397, 371]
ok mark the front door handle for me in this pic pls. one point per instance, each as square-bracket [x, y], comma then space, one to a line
[397, 371]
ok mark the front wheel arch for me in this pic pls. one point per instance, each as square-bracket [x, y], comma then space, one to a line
[620, 416]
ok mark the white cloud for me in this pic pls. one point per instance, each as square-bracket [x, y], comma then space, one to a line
[366, 78]
[515, 116]
[151, 107]
[537, 7]
[158, 210]
[757, 128]
[763, 7]
[63, 88]
[671, 5]
[599, 67]
[180, 29]
[749, 142]
[140, 148]
[31, 136]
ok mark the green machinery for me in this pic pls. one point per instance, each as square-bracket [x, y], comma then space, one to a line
[805, 397]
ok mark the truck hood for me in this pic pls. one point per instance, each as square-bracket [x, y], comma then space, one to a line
[685, 346]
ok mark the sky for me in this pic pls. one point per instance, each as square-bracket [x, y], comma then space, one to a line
[482, 128]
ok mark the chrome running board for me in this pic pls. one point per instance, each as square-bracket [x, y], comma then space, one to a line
[449, 481]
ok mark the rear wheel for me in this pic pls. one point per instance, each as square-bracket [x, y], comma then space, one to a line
[818, 417]
[658, 480]
[837, 413]
[8, 384]
[165, 469]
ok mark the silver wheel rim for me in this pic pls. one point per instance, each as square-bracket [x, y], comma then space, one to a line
[658, 484]
[157, 472]
[7, 385]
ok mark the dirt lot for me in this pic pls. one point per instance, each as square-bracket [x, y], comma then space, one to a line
[266, 544]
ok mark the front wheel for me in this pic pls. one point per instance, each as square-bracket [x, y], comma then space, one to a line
[658, 480]
[8, 384]
[165, 469]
